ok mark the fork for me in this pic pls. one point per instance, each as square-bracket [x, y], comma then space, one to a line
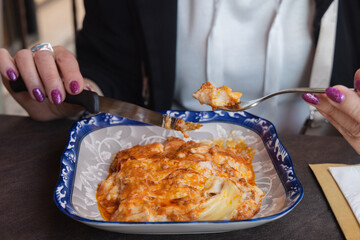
[243, 105]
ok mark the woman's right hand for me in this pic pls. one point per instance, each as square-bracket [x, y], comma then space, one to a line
[48, 79]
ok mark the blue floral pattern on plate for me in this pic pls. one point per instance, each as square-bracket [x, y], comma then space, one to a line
[93, 141]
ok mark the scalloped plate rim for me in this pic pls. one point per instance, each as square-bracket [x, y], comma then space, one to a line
[85, 128]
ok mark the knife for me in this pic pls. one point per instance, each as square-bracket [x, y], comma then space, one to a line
[94, 104]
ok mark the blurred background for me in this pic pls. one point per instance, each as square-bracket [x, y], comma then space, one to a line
[24, 23]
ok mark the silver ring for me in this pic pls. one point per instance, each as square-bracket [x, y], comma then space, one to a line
[42, 47]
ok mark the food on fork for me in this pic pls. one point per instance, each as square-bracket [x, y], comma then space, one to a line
[216, 96]
[181, 181]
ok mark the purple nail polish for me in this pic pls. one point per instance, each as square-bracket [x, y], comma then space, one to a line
[311, 98]
[74, 87]
[357, 84]
[56, 96]
[335, 94]
[39, 96]
[11, 74]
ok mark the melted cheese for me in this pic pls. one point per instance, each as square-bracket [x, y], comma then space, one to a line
[181, 125]
[180, 181]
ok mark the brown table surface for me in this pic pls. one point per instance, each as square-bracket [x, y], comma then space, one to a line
[30, 155]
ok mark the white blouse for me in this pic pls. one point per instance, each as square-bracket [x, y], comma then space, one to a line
[253, 46]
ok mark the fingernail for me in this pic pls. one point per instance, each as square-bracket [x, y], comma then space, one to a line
[357, 84]
[56, 96]
[74, 87]
[39, 96]
[335, 94]
[311, 98]
[11, 74]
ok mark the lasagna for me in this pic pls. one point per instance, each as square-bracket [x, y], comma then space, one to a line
[181, 181]
[216, 96]
[179, 124]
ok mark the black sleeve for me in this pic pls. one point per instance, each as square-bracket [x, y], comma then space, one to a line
[107, 49]
[347, 45]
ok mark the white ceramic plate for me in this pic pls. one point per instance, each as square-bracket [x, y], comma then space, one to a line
[93, 141]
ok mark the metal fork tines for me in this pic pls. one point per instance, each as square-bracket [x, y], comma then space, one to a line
[243, 105]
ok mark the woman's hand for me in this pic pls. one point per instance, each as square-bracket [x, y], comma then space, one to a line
[48, 80]
[341, 106]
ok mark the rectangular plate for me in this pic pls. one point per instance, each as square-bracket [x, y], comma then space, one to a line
[94, 141]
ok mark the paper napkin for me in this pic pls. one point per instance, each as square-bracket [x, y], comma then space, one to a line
[337, 201]
[348, 179]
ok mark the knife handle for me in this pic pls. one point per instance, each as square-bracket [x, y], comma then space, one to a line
[87, 99]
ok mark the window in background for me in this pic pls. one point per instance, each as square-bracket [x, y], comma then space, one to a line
[45, 21]
[19, 24]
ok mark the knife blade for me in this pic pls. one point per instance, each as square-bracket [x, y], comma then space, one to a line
[94, 104]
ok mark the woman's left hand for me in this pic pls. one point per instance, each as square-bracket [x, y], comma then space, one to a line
[341, 107]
